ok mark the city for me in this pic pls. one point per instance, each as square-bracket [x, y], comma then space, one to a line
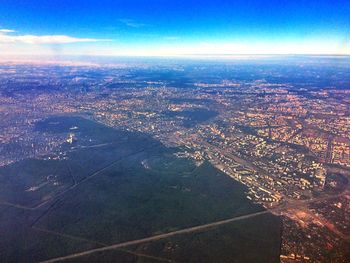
[281, 130]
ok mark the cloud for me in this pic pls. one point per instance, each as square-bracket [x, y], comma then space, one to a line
[131, 23]
[5, 37]
[7, 31]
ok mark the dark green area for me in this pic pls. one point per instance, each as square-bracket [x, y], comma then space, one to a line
[16, 181]
[130, 202]
[192, 117]
[19, 242]
[128, 188]
[114, 256]
[251, 240]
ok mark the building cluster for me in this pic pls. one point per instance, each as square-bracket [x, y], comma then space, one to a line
[276, 138]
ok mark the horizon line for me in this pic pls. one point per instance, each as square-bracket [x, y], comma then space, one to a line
[76, 59]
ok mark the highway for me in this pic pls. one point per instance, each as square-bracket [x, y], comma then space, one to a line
[157, 237]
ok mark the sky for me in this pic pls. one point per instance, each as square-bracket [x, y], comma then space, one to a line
[173, 28]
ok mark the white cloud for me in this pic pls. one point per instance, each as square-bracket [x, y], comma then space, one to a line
[7, 31]
[5, 37]
[15, 44]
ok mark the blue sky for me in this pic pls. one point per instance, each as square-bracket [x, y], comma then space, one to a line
[164, 27]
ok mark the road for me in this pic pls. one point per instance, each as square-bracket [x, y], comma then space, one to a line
[157, 237]
[291, 205]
